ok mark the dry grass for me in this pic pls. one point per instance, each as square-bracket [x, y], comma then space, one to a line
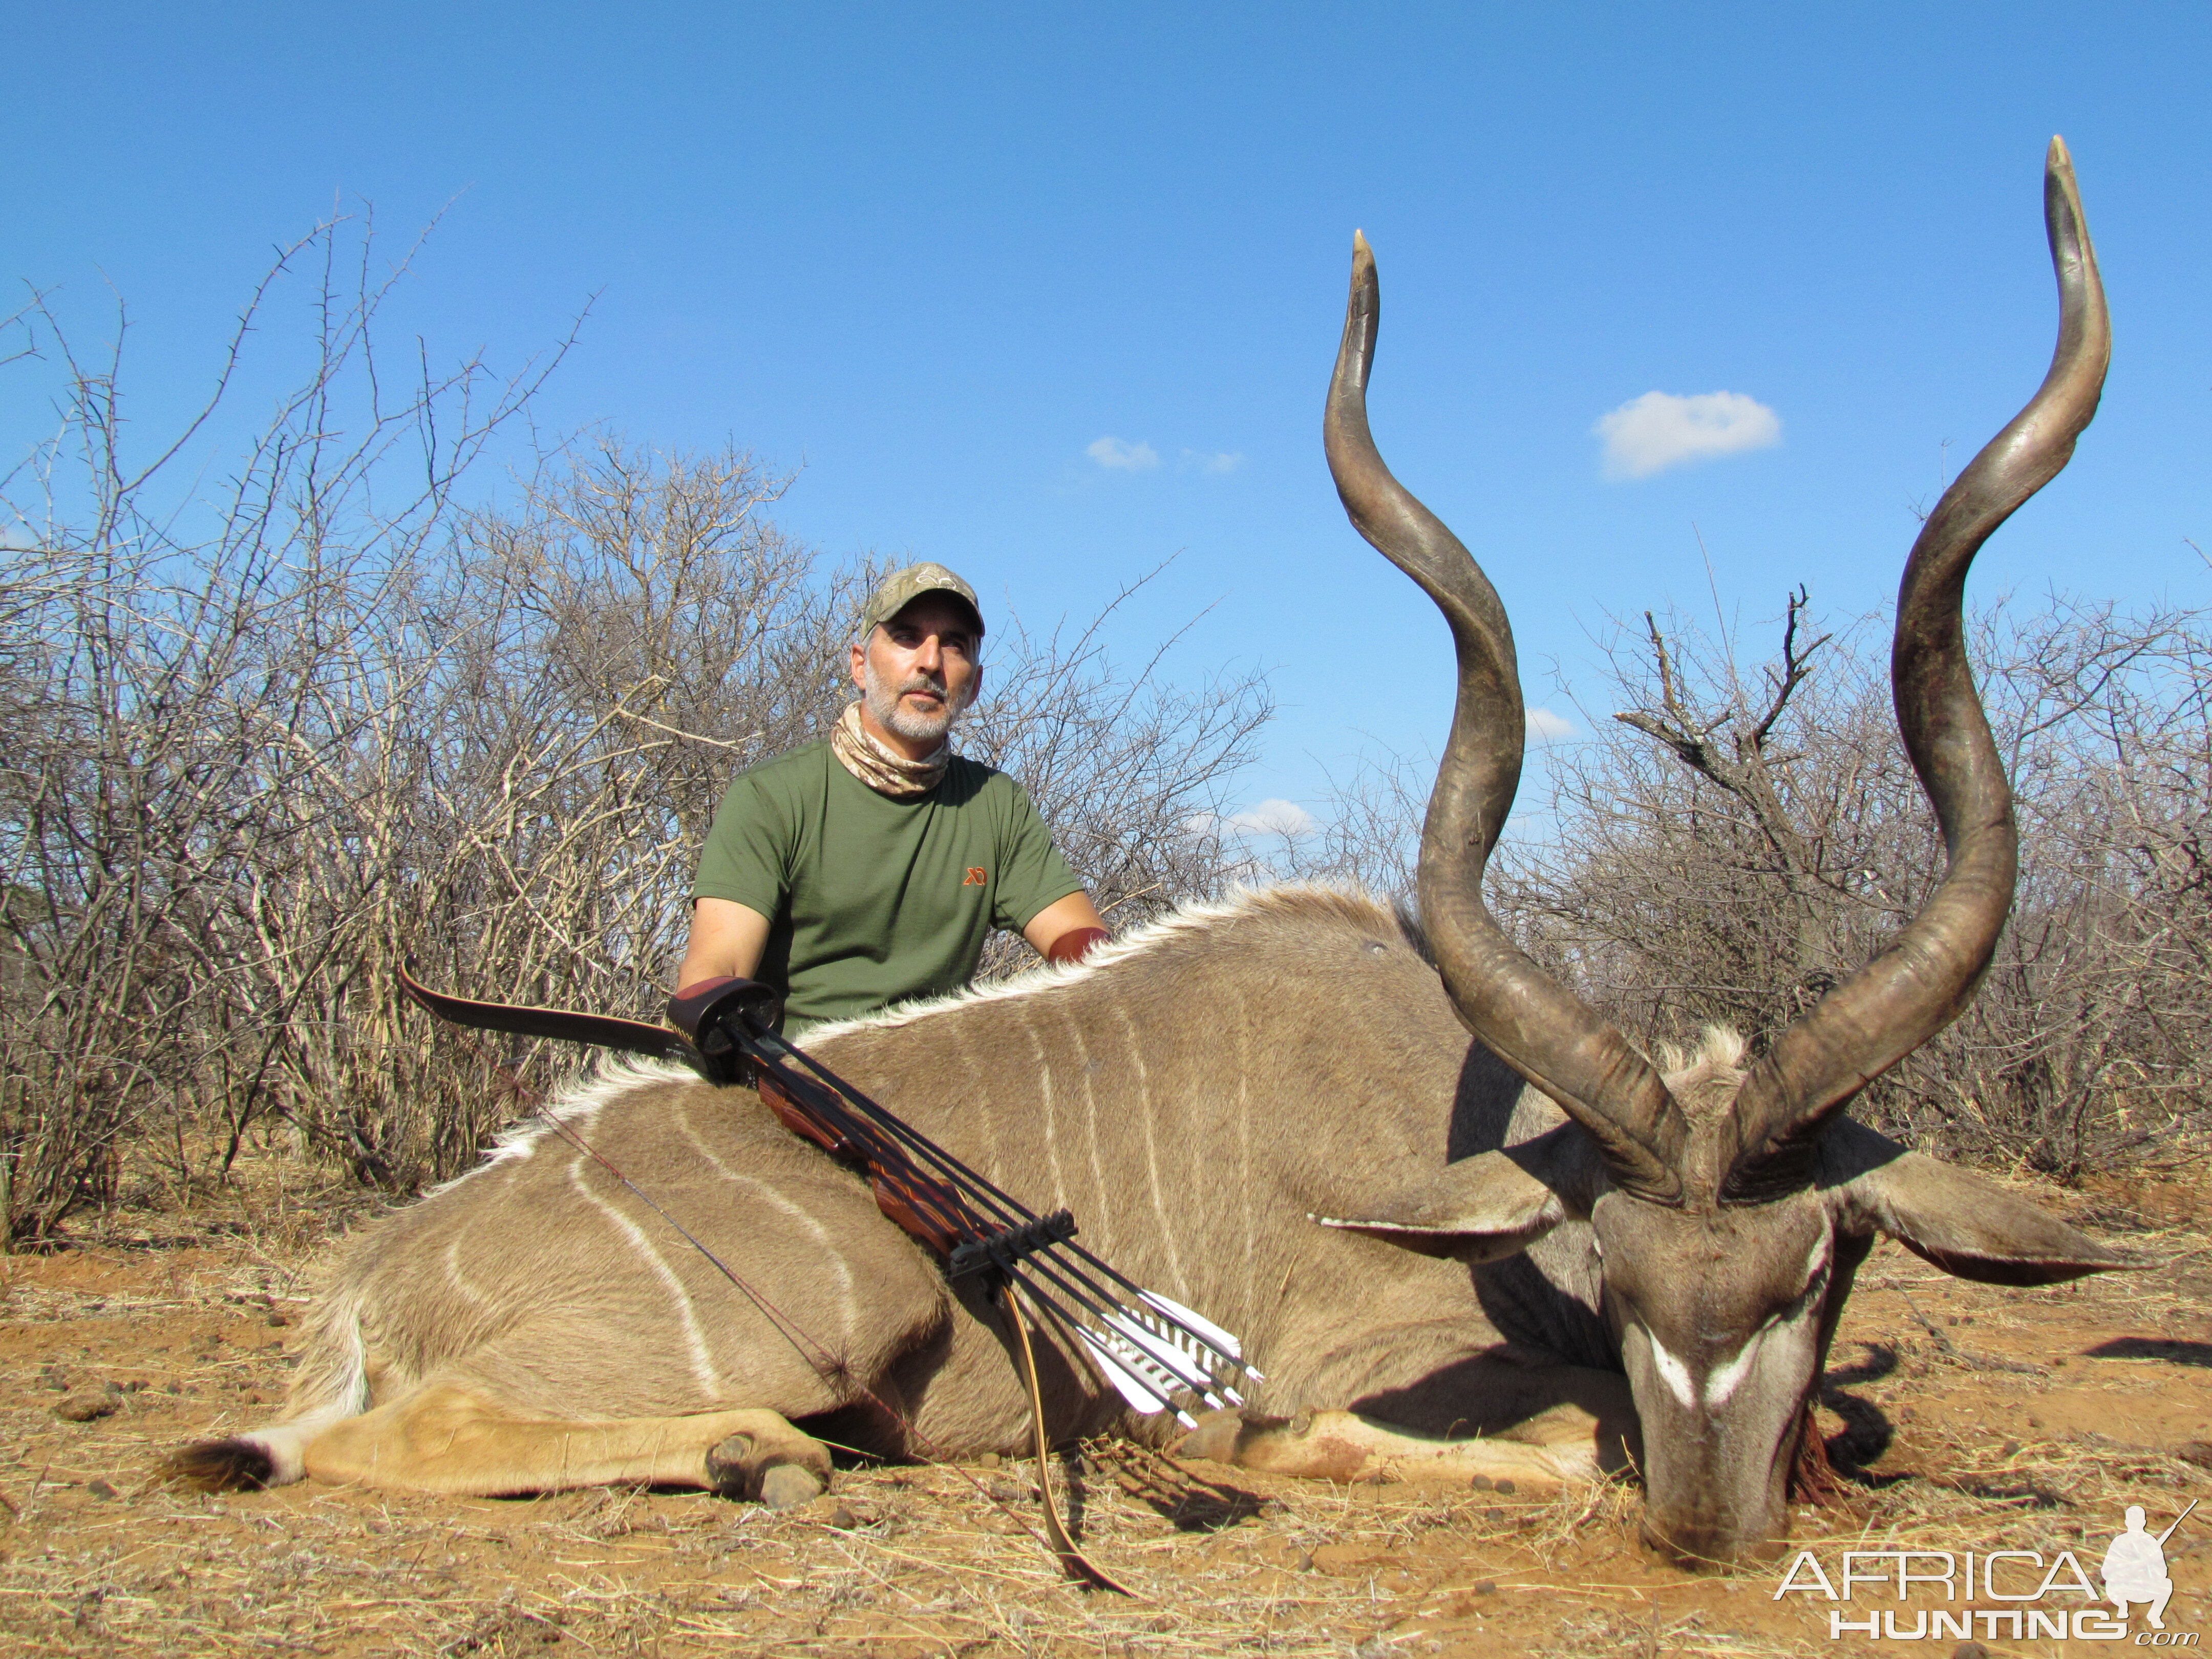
[1986, 1418]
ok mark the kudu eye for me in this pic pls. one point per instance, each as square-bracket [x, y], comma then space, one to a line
[1795, 1308]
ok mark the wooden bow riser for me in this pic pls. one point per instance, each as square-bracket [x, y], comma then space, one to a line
[928, 1209]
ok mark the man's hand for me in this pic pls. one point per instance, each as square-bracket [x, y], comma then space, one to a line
[1063, 923]
[726, 942]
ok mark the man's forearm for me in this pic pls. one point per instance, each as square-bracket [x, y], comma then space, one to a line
[1065, 930]
[727, 941]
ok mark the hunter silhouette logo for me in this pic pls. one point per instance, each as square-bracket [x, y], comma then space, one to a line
[976, 876]
[2134, 1566]
[2134, 1572]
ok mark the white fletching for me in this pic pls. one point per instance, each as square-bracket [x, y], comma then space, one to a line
[1141, 1364]
[1198, 1325]
[1128, 1387]
[1172, 1357]
[1152, 1349]
[1137, 1375]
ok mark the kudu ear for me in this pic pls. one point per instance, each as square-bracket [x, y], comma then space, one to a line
[1489, 1207]
[1963, 1223]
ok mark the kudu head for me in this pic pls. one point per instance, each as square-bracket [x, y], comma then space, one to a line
[1730, 1209]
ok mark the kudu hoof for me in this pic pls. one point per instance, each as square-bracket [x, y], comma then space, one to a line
[781, 1476]
[787, 1486]
[1221, 1434]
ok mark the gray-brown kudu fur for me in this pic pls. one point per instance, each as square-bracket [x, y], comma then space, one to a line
[1490, 1258]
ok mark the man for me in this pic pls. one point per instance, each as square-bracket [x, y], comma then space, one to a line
[867, 870]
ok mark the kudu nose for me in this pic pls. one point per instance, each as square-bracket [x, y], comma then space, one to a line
[1707, 1544]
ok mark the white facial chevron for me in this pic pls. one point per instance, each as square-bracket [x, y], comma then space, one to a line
[1724, 1379]
[1673, 1372]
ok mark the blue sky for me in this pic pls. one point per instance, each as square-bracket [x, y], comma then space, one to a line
[934, 256]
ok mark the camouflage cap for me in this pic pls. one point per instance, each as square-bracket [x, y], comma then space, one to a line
[902, 587]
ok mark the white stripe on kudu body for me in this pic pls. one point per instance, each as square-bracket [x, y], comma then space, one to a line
[1146, 1110]
[1049, 1110]
[746, 1190]
[687, 1327]
[1081, 1070]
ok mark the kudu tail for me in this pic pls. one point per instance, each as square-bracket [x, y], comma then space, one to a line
[330, 1386]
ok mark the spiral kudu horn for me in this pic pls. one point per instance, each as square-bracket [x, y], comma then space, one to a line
[1920, 984]
[1536, 1024]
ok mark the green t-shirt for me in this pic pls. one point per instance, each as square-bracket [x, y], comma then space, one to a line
[872, 901]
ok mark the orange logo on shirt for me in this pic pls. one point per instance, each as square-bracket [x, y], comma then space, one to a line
[976, 877]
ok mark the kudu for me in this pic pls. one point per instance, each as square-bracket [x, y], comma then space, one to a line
[1269, 1109]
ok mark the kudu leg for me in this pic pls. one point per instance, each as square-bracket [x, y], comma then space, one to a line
[441, 1437]
[1562, 1446]
[1539, 1426]
[1345, 1446]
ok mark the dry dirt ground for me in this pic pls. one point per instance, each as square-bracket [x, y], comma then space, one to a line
[1974, 1418]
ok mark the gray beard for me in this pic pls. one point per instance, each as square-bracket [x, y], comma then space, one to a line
[883, 701]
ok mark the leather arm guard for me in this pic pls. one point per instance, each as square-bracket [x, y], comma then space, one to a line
[717, 1013]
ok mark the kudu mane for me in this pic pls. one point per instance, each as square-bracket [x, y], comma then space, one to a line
[1187, 928]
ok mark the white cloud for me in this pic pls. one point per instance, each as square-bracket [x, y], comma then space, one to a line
[1274, 817]
[1658, 430]
[1544, 726]
[1115, 456]
[1270, 817]
[1226, 461]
